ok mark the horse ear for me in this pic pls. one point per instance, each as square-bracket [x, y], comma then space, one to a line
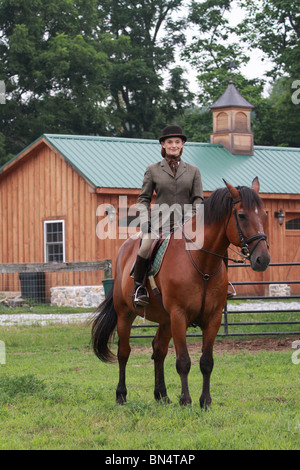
[235, 194]
[255, 185]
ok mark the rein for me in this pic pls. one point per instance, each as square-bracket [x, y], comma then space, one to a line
[245, 252]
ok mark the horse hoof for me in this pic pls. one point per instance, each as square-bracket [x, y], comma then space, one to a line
[162, 398]
[120, 400]
[185, 401]
[205, 404]
[166, 400]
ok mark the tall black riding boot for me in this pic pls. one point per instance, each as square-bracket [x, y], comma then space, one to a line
[141, 296]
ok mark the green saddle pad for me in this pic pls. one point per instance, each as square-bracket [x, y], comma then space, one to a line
[156, 264]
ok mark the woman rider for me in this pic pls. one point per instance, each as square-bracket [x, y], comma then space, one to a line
[176, 184]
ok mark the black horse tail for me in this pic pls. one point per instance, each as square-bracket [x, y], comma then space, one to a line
[103, 329]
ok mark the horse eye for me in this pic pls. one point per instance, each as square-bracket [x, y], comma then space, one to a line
[242, 216]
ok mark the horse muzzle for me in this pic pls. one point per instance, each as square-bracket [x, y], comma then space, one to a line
[259, 255]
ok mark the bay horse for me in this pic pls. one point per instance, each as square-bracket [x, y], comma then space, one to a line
[193, 285]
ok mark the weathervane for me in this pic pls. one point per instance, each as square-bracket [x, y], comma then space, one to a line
[231, 66]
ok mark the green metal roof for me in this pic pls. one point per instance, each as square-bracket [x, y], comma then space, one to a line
[109, 162]
[120, 163]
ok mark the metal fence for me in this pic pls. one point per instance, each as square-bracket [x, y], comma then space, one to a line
[228, 328]
[37, 281]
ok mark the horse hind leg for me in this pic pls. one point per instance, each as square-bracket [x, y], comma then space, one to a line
[160, 349]
[123, 328]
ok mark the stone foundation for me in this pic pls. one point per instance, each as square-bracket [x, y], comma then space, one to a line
[77, 296]
[279, 290]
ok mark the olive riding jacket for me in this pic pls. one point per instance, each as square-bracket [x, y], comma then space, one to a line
[179, 194]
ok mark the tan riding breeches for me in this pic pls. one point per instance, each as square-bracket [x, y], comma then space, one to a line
[146, 244]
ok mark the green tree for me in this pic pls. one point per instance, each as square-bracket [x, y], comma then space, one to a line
[89, 67]
[143, 38]
[216, 53]
[273, 26]
[279, 123]
[54, 68]
[197, 123]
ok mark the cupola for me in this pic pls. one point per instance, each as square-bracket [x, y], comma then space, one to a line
[232, 122]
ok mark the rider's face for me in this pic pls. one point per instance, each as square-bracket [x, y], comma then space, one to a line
[173, 146]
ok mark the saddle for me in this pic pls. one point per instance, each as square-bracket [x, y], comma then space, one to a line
[157, 254]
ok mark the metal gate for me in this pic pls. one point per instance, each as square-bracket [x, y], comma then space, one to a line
[227, 325]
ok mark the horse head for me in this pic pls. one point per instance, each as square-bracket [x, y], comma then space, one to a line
[246, 224]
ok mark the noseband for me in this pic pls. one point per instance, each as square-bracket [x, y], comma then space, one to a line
[245, 242]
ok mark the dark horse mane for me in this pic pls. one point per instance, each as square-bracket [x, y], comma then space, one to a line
[219, 203]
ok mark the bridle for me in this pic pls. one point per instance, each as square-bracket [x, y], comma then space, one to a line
[245, 242]
[246, 253]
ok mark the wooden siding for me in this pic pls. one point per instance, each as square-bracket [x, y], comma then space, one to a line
[41, 186]
[109, 247]
[44, 188]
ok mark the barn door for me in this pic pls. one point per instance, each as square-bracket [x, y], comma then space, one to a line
[292, 251]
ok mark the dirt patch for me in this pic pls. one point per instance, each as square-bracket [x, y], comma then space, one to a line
[255, 344]
[231, 345]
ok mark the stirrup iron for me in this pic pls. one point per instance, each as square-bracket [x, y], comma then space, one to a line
[232, 294]
[143, 300]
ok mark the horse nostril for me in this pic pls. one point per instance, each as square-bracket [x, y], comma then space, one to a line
[261, 263]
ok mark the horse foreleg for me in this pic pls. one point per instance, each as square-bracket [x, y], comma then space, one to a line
[207, 362]
[123, 329]
[206, 367]
[183, 361]
[160, 349]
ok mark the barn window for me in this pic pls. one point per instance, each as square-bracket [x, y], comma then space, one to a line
[54, 241]
[293, 224]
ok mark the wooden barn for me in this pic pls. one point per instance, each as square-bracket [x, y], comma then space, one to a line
[64, 197]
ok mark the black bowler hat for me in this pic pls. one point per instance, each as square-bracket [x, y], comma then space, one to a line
[172, 131]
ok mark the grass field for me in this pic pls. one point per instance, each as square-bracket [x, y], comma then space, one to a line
[55, 394]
